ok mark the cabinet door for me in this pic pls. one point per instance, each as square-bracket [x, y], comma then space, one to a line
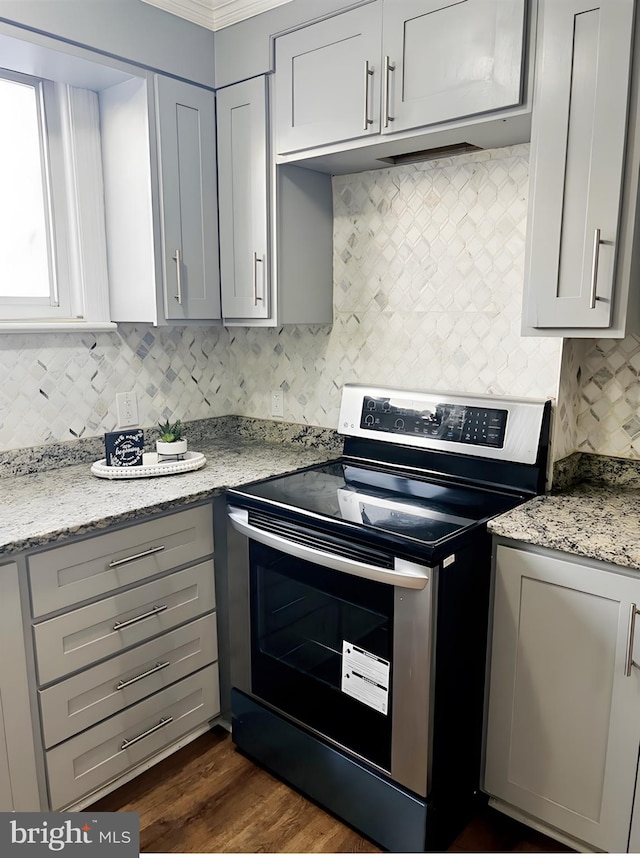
[327, 81]
[6, 795]
[577, 154]
[564, 717]
[189, 220]
[244, 199]
[19, 788]
[445, 59]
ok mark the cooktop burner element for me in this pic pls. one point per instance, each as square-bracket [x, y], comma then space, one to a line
[387, 503]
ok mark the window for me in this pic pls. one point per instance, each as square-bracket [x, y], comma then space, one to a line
[53, 265]
[26, 266]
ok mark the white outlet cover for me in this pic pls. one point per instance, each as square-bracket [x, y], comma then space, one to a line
[127, 409]
[277, 403]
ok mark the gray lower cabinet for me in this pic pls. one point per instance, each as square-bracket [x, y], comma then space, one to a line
[277, 230]
[584, 172]
[78, 638]
[109, 749]
[563, 722]
[19, 790]
[395, 65]
[124, 634]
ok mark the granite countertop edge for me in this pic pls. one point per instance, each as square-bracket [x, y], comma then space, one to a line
[43, 507]
[593, 512]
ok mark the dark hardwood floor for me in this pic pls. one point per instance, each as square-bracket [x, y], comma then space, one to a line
[208, 798]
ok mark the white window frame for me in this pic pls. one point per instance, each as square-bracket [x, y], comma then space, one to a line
[11, 307]
[72, 155]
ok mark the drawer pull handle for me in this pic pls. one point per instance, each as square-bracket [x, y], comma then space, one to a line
[388, 67]
[629, 662]
[162, 723]
[177, 256]
[133, 557]
[124, 623]
[597, 241]
[254, 281]
[368, 72]
[124, 683]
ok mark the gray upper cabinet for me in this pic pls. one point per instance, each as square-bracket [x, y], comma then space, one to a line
[159, 162]
[327, 84]
[582, 203]
[276, 231]
[189, 223]
[244, 199]
[395, 65]
[444, 59]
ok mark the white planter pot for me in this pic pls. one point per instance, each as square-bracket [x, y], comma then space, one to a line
[171, 448]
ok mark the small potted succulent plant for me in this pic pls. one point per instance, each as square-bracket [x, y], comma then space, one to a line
[171, 441]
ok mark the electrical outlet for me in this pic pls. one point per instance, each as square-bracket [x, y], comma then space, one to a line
[277, 403]
[127, 408]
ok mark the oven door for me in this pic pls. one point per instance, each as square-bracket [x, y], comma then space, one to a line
[337, 638]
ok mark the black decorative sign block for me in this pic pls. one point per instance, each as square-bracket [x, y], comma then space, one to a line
[124, 449]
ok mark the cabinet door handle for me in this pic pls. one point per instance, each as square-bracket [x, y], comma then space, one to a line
[155, 610]
[594, 269]
[125, 683]
[154, 550]
[388, 68]
[629, 662]
[254, 285]
[368, 72]
[162, 723]
[178, 258]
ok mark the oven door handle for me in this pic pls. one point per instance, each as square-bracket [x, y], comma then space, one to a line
[404, 572]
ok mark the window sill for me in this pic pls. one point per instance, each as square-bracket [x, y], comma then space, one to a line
[26, 326]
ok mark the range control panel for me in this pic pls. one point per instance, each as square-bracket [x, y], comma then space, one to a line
[442, 421]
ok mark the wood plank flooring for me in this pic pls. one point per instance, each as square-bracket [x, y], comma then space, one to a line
[208, 798]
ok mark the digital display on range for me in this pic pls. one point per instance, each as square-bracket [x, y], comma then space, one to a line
[464, 424]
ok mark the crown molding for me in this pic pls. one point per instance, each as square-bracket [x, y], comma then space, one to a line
[215, 14]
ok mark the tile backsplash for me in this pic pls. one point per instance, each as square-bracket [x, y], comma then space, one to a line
[60, 387]
[428, 272]
[607, 407]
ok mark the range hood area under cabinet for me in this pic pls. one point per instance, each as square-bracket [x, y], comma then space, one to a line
[398, 76]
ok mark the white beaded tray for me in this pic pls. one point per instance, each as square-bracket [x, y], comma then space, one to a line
[150, 467]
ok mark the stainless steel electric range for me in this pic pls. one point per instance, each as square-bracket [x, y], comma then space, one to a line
[358, 607]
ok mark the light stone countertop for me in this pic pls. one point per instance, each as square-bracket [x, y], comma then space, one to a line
[41, 508]
[593, 512]
[598, 517]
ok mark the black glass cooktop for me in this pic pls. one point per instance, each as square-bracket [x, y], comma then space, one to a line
[419, 509]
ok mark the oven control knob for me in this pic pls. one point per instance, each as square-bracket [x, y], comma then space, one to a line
[399, 424]
[369, 420]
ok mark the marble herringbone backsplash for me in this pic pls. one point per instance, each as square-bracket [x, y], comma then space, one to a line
[428, 271]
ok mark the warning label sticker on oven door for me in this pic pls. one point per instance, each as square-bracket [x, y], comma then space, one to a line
[365, 676]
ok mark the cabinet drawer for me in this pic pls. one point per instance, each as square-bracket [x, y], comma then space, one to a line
[103, 753]
[98, 693]
[93, 567]
[79, 638]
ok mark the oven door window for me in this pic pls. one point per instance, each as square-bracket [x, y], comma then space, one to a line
[302, 615]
